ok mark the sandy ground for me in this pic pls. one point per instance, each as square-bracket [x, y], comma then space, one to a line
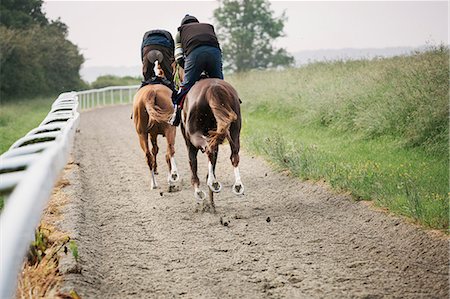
[283, 239]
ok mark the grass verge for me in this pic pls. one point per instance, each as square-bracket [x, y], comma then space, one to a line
[378, 129]
[18, 117]
[40, 276]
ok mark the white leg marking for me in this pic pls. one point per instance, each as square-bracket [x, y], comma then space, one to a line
[213, 184]
[173, 175]
[153, 184]
[211, 177]
[173, 164]
[238, 187]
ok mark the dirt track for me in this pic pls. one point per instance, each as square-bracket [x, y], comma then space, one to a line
[284, 238]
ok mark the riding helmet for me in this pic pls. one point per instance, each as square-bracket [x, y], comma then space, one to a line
[188, 19]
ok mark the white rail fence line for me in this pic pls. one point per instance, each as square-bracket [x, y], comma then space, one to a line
[30, 168]
[28, 171]
[107, 96]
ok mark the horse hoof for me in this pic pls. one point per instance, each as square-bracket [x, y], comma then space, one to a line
[200, 195]
[238, 189]
[174, 177]
[215, 187]
[173, 188]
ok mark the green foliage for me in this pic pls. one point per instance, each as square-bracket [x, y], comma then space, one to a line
[36, 57]
[39, 246]
[22, 13]
[42, 246]
[73, 247]
[378, 129]
[110, 80]
[247, 31]
[20, 116]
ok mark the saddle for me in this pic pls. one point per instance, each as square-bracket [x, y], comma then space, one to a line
[158, 80]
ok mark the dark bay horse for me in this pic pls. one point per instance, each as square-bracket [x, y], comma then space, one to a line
[152, 107]
[211, 114]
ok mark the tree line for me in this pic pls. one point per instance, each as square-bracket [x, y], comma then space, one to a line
[36, 56]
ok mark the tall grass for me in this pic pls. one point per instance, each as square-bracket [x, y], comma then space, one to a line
[18, 117]
[378, 129]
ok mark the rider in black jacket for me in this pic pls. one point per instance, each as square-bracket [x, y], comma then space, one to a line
[162, 41]
[197, 50]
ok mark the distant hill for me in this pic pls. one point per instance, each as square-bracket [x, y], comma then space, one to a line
[303, 57]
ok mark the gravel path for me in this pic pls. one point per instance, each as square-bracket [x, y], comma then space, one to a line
[284, 238]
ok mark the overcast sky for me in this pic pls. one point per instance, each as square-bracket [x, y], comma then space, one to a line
[109, 33]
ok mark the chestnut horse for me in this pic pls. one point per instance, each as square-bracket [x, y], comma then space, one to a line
[152, 107]
[211, 113]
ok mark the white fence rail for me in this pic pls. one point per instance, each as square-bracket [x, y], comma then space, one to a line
[28, 172]
[107, 96]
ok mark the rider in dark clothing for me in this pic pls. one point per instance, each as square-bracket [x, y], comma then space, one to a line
[162, 41]
[197, 50]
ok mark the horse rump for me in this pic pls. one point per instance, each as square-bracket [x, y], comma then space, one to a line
[146, 108]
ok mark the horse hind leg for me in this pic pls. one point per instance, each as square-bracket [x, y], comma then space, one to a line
[199, 194]
[173, 176]
[213, 184]
[238, 187]
[155, 150]
[143, 140]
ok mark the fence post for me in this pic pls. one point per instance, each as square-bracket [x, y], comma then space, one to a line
[129, 95]
[121, 100]
[104, 96]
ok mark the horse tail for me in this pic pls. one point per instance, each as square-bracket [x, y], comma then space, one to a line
[140, 115]
[154, 111]
[218, 99]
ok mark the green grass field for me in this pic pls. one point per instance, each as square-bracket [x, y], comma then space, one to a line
[378, 129]
[18, 117]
